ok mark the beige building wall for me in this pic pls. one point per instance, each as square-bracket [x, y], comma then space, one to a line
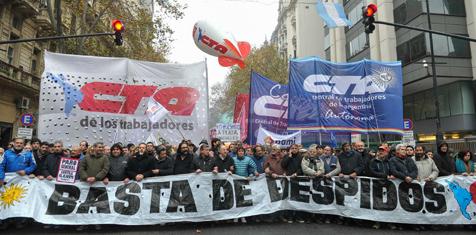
[299, 31]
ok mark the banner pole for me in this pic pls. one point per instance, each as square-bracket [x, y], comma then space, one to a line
[320, 138]
[208, 101]
[171, 119]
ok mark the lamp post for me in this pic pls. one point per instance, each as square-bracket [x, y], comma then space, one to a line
[439, 134]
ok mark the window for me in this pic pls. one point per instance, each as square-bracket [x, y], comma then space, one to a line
[468, 98]
[412, 50]
[35, 60]
[327, 41]
[357, 45]
[407, 11]
[328, 54]
[10, 55]
[446, 7]
[17, 22]
[455, 99]
[451, 47]
[355, 14]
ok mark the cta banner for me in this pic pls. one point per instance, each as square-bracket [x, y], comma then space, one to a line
[241, 114]
[364, 96]
[268, 106]
[208, 197]
[105, 99]
[281, 140]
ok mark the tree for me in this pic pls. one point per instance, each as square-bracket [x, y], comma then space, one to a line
[147, 37]
[264, 60]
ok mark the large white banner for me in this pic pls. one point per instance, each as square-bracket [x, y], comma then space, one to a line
[206, 197]
[105, 99]
[281, 140]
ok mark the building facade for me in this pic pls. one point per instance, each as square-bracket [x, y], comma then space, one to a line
[299, 32]
[455, 59]
[20, 64]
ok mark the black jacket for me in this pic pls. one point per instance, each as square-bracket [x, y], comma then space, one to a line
[117, 168]
[225, 164]
[205, 164]
[183, 165]
[165, 166]
[51, 165]
[40, 161]
[445, 163]
[402, 168]
[292, 165]
[351, 162]
[379, 168]
[140, 164]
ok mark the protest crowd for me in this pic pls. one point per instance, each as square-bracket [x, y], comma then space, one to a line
[130, 162]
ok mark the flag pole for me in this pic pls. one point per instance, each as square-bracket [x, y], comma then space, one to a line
[208, 101]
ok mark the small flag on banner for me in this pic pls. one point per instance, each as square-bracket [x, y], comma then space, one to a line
[155, 111]
[333, 14]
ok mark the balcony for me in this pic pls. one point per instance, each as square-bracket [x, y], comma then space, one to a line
[20, 77]
[43, 21]
[27, 8]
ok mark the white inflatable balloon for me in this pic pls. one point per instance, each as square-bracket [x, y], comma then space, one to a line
[214, 43]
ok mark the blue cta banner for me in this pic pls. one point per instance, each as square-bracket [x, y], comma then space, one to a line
[364, 96]
[268, 106]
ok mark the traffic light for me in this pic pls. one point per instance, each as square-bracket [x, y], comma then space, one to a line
[118, 29]
[368, 13]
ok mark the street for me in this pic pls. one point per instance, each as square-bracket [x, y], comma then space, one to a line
[231, 229]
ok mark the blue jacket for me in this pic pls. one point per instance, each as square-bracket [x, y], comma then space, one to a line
[244, 166]
[259, 162]
[461, 168]
[13, 162]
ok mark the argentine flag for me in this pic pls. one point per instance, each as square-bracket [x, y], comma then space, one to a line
[333, 14]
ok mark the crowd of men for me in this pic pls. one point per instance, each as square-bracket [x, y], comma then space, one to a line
[119, 162]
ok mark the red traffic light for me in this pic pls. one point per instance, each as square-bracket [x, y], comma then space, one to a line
[117, 25]
[370, 10]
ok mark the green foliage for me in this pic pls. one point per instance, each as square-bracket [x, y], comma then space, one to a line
[145, 37]
[264, 60]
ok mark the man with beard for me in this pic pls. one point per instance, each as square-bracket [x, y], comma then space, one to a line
[164, 164]
[223, 162]
[183, 160]
[443, 160]
[272, 166]
[259, 158]
[95, 166]
[51, 165]
[351, 161]
[203, 162]
[117, 165]
[427, 169]
[402, 167]
[40, 159]
[140, 165]
[17, 160]
[379, 166]
[150, 149]
[291, 164]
